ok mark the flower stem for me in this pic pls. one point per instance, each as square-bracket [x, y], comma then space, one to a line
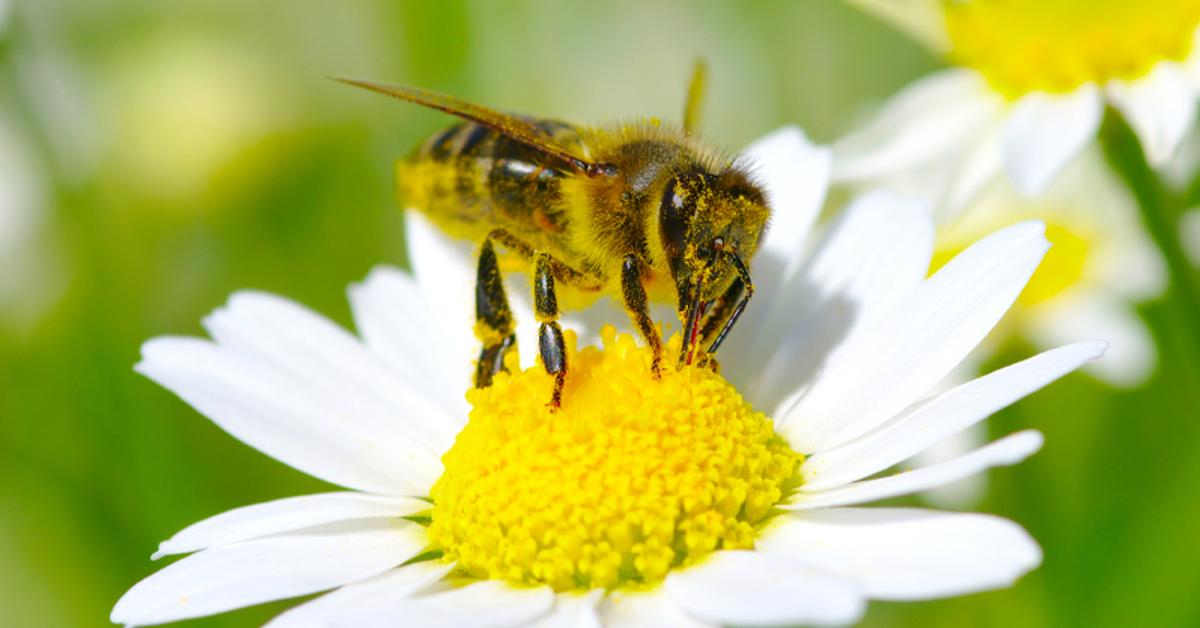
[1124, 153]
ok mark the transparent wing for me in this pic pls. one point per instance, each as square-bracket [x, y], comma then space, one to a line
[516, 128]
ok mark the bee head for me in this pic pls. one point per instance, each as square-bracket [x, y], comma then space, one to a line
[705, 220]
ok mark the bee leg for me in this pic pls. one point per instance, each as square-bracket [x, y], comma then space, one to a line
[638, 307]
[742, 283]
[717, 318]
[550, 337]
[562, 272]
[493, 318]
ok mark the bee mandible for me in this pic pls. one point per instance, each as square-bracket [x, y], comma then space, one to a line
[642, 212]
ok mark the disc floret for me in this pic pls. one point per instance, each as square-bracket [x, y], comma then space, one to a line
[632, 477]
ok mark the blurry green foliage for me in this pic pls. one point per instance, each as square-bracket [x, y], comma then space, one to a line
[186, 150]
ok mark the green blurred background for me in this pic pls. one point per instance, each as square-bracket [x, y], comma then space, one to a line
[155, 157]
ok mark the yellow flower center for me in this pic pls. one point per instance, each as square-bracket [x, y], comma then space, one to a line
[1023, 46]
[631, 478]
[1063, 267]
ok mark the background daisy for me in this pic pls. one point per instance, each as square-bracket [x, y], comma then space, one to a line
[1026, 92]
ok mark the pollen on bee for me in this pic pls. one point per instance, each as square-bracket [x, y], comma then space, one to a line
[632, 477]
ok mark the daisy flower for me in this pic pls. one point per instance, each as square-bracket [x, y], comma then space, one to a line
[1027, 91]
[691, 500]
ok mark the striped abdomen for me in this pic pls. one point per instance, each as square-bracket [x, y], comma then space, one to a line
[469, 180]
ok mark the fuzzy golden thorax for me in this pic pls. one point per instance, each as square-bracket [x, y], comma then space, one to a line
[675, 203]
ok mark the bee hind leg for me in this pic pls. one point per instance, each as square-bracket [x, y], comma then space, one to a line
[550, 337]
[493, 318]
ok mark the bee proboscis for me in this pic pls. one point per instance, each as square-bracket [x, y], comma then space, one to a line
[639, 211]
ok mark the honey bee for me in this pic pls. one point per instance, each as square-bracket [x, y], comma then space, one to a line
[640, 211]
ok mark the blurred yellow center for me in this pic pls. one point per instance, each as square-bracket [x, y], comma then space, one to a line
[1062, 268]
[1023, 46]
[630, 478]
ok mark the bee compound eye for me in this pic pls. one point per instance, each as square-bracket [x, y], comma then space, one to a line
[674, 215]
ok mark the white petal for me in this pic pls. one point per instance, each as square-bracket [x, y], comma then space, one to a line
[359, 598]
[979, 166]
[224, 578]
[484, 604]
[907, 554]
[651, 609]
[396, 323]
[932, 119]
[285, 515]
[445, 270]
[796, 175]
[1006, 451]
[1044, 132]
[754, 588]
[326, 438]
[297, 343]
[573, 610]
[1160, 107]
[895, 362]
[876, 253]
[943, 416]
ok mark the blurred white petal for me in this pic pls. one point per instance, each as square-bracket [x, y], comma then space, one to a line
[979, 167]
[1131, 354]
[933, 119]
[1046, 131]
[1160, 107]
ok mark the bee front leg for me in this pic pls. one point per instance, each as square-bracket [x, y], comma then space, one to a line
[740, 292]
[638, 306]
[712, 330]
[550, 336]
[493, 318]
